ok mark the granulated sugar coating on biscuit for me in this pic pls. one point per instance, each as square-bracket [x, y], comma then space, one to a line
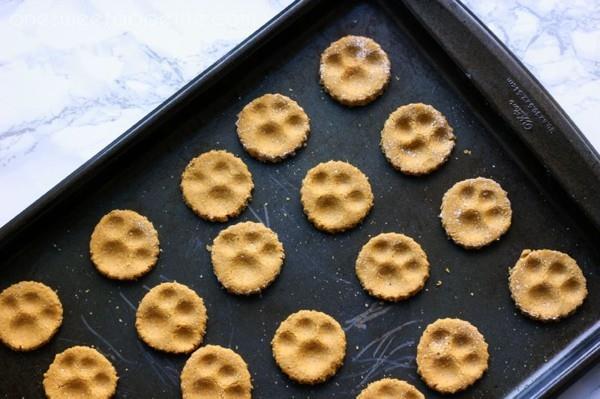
[475, 212]
[217, 185]
[336, 196]
[172, 318]
[30, 315]
[214, 372]
[390, 388]
[247, 257]
[124, 245]
[392, 267]
[272, 127]
[416, 139]
[354, 70]
[309, 346]
[547, 285]
[80, 372]
[451, 355]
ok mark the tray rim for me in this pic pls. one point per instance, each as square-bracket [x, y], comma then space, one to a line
[553, 376]
[587, 145]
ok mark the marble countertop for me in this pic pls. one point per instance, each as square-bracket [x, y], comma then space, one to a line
[76, 74]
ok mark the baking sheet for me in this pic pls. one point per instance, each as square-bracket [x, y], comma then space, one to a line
[319, 269]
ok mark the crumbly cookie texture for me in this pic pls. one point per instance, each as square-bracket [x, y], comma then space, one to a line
[475, 212]
[247, 257]
[215, 372]
[309, 346]
[172, 318]
[390, 388]
[451, 355]
[354, 70]
[217, 185]
[30, 315]
[416, 139]
[272, 127]
[336, 196]
[124, 245]
[547, 285]
[392, 267]
[80, 372]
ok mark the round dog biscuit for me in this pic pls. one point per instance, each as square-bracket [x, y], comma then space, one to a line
[354, 70]
[451, 355]
[272, 127]
[215, 372]
[336, 196]
[390, 388]
[172, 318]
[416, 139]
[30, 315]
[80, 372]
[392, 267]
[247, 257]
[547, 285]
[217, 185]
[124, 245]
[475, 212]
[309, 346]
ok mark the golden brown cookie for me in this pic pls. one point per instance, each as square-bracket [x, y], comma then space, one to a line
[309, 346]
[217, 185]
[416, 139]
[390, 388]
[451, 355]
[215, 372]
[124, 245]
[354, 70]
[272, 127]
[30, 315]
[172, 318]
[547, 285]
[247, 257]
[336, 196]
[80, 372]
[475, 212]
[392, 267]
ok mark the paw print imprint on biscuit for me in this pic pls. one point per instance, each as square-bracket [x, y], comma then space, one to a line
[416, 139]
[309, 346]
[547, 284]
[451, 355]
[392, 266]
[354, 70]
[124, 245]
[30, 315]
[217, 185]
[354, 60]
[475, 212]
[272, 127]
[172, 318]
[80, 372]
[247, 257]
[336, 196]
[215, 372]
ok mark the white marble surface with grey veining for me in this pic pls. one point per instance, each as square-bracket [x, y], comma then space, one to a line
[76, 74]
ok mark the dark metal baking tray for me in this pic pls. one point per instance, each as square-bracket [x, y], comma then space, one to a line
[440, 55]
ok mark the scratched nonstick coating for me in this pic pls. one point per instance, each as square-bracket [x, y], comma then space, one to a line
[319, 268]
